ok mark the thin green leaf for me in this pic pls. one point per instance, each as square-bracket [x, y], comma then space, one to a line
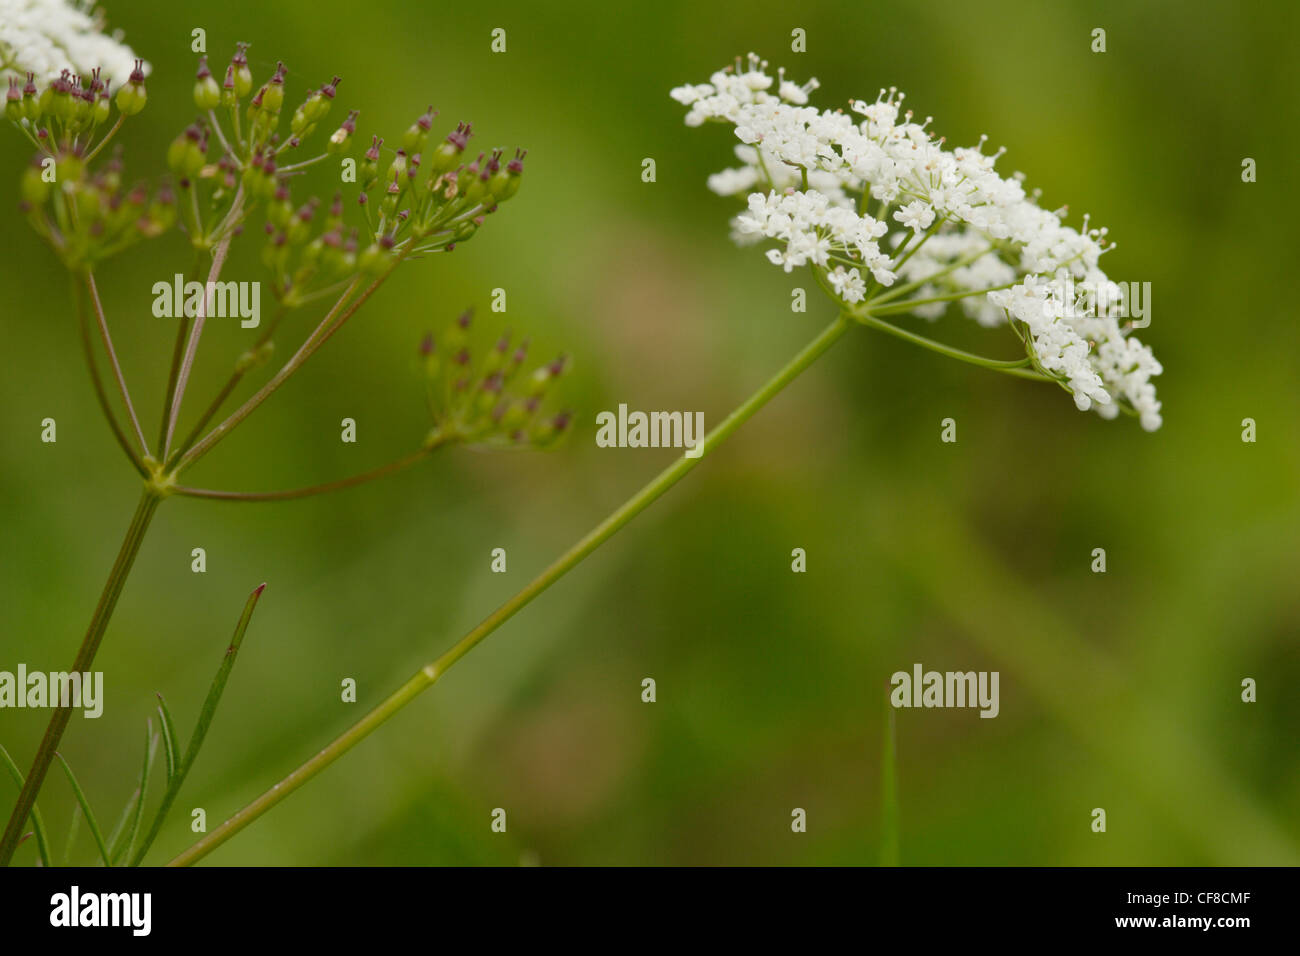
[38, 825]
[169, 738]
[89, 814]
[74, 829]
[204, 722]
[219, 681]
[125, 841]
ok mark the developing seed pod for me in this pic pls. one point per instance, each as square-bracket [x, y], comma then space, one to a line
[448, 153]
[341, 138]
[131, 98]
[162, 211]
[505, 183]
[14, 100]
[35, 189]
[417, 134]
[377, 256]
[103, 106]
[187, 153]
[369, 171]
[549, 431]
[240, 73]
[31, 101]
[207, 95]
[273, 91]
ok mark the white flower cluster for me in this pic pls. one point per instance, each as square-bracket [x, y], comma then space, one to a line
[46, 37]
[872, 201]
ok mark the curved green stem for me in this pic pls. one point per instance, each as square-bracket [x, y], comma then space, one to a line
[113, 362]
[98, 384]
[327, 327]
[196, 329]
[382, 471]
[430, 673]
[1015, 367]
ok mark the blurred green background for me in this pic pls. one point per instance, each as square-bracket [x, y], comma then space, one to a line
[1119, 691]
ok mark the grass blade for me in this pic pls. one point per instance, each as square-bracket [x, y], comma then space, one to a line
[84, 804]
[38, 825]
[204, 722]
[74, 830]
[169, 738]
[126, 836]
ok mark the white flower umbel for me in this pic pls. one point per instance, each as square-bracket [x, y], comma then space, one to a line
[891, 222]
[46, 37]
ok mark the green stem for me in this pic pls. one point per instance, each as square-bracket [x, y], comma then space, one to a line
[429, 674]
[98, 384]
[1010, 366]
[144, 512]
[901, 308]
[113, 362]
[338, 484]
[319, 336]
[107, 136]
[196, 329]
[902, 290]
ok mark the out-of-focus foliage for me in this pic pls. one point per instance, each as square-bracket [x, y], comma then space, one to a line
[1118, 690]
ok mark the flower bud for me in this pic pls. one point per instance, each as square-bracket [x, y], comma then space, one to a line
[447, 155]
[272, 94]
[207, 95]
[240, 73]
[31, 101]
[186, 154]
[162, 211]
[370, 167]
[549, 430]
[14, 100]
[131, 97]
[417, 134]
[318, 103]
[103, 106]
[35, 189]
[374, 261]
[341, 138]
[397, 168]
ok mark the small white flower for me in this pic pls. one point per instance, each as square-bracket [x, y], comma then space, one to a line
[849, 286]
[916, 216]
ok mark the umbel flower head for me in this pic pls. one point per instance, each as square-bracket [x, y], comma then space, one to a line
[488, 399]
[46, 37]
[879, 210]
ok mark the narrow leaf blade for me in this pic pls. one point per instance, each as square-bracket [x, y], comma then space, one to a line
[201, 728]
[85, 810]
[38, 824]
[126, 839]
[169, 738]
